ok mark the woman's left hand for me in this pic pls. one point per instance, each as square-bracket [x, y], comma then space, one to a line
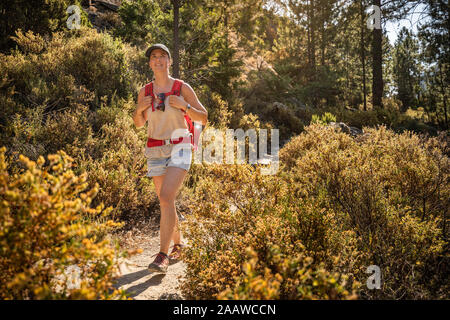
[177, 102]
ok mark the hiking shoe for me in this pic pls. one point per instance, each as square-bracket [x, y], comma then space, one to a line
[160, 263]
[176, 251]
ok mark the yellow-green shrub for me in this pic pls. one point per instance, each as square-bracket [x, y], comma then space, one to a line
[47, 225]
[68, 69]
[119, 167]
[67, 130]
[296, 278]
[338, 205]
[235, 207]
[389, 116]
[104, 143]
[325, 118]
[393, 189]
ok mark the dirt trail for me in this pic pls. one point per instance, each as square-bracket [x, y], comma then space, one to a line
[141, 283]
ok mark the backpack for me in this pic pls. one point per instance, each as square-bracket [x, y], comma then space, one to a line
[194, 129]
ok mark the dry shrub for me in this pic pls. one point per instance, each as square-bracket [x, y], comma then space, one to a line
[394, 191]
[120, 169]
[338, 205]
[47, 226]
[68, 130]
[234, 208]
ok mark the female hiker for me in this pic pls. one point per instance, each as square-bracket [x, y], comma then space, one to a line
[169, 106]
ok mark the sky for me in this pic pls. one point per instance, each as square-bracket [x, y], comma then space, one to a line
[412, 22]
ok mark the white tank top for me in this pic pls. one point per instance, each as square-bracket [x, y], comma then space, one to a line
[161, 125]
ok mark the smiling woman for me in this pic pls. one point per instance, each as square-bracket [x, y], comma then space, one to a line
[169, 106]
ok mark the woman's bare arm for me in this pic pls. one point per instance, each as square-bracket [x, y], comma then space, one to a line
[140, 114]
[197, 112]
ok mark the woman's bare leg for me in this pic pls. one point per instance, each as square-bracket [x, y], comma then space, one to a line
[173, 179]
[158, 181]
[176, 237]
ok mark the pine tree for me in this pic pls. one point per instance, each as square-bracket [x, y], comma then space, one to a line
[405, 68]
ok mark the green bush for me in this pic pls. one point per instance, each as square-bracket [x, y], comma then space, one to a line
[324, 119]
[389, 116]
[39, 16]
[118, 164]
[65, 71]
[76, 91]
[142, 21]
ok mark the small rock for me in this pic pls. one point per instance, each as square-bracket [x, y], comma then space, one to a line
[170, 296]
[353, 131]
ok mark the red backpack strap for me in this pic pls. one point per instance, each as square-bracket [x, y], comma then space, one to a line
[176, 88]
[149, 92]
[191, 131]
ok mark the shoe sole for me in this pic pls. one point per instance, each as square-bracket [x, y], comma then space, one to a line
[156, 269]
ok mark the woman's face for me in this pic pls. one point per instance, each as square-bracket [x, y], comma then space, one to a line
[159, 60]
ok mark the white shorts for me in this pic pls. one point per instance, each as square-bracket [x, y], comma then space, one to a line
[180, 159]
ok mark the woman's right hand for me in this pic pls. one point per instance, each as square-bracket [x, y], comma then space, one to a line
[144, 102]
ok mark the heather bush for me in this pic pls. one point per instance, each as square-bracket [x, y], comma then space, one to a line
[296, 278]
[389, 116]
[118, 164]
[65, 70]
[72, 129]
[220, 114]
[227, 222]
[47, 227]
[337, 205]
[23, 131]
[113, 157]
[46, 116]
[394, 191]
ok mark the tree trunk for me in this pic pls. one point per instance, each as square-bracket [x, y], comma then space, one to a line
[308, 31]
[176, 50]
[322, 31]
[225, 13]
[377, 64]
[313, 37]
[363, 54]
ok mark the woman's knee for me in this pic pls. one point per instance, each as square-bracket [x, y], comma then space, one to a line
[166, 198]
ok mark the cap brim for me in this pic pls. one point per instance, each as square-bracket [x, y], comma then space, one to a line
[149, 51]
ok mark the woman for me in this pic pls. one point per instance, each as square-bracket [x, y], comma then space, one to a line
[165, 116]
